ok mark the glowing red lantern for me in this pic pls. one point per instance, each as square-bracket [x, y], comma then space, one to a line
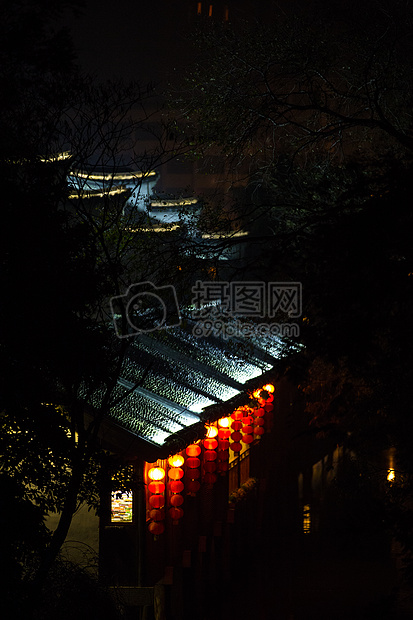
[156, 473]
[236, 446]
[212, 431]
[156, 499]
[269, 388]
[175, 473]
[237, 414]
[224, 433]
[156, 487]
[259, 430]
[236, 436]
[176, 461]
[193, 450]
[210, 444]
[193, 473]
[224, 422]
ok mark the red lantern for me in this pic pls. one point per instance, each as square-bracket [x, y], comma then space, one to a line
[156, 501]
[176, 486]
[193, 463]
[259, 422]
[210, 444]
[223, 444]
[176, 513]
[210, 466]
[247, 439]
[156, 528]
[157, 515]
[238, 414]
[223, 455]
[236, 436]
[236, 446]
[224, 433]
[176, 500]
[237, 425]
[269, 407]
[193, 486]
[247, 429]
[175, 473]
[260, 412]
[259, 430]
[156, 473]
[247, 420]
[156, 487]
[193, 450]
[210, 455]
[193, 473]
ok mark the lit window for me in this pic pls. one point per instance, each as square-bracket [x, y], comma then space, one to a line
[210, 11]
[121, 507]
[199, 8]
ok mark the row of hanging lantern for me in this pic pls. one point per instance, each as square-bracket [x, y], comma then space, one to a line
[205, 459]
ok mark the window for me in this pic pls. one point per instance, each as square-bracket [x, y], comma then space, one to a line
[121, 507]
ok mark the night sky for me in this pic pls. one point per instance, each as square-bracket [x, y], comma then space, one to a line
[146, 41]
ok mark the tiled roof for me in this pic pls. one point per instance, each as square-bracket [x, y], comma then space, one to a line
[173, 382]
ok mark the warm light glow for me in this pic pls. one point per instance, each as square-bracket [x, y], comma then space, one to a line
[269, 388]
[256, 393]
[224, 422]
[224, 235]
[212, 431]
[306, 519]
[97, 194]
[57, 157]
[210, 11]
[164, 228]
[184, 202]
[176, 461]
[199, 8]
[390, 475]
[156, 473]
[112, 176]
